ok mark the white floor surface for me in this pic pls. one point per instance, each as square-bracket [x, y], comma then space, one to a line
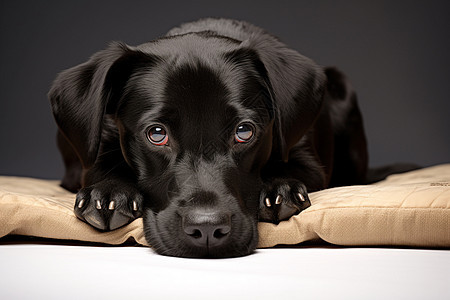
[40, 271]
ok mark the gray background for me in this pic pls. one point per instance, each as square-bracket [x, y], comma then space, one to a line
[397, 54]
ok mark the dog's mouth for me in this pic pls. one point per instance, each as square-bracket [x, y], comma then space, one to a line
[200, 233]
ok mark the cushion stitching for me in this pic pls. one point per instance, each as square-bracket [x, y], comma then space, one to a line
[373, 207]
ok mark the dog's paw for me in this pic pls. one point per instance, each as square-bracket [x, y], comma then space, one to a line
[281, 199]
[108, 205]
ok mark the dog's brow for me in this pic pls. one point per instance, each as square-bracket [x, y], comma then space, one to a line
[150, 88]
[243, 112]
[151, 115]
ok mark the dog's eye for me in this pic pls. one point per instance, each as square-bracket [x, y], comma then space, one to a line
[244, 133]
[157, 135]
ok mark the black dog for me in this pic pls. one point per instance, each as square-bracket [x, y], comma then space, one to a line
[203, 132]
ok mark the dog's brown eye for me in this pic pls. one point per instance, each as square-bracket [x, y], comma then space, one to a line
[157, 136]
[244, 133]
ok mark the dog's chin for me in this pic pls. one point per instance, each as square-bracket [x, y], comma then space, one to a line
[164, 234]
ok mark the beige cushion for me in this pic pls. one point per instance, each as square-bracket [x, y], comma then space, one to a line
[411, 209]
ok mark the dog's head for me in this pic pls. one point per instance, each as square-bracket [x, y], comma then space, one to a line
[198, 116]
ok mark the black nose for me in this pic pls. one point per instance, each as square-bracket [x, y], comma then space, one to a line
[207, 229]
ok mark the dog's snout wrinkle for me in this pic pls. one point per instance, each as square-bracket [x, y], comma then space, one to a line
[207, 229]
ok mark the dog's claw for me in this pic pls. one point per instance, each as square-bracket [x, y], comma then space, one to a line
[108, 205]
[278, 200]
[81, 203]
[289, 198]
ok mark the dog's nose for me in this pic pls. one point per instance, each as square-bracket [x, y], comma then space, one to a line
[207, 229]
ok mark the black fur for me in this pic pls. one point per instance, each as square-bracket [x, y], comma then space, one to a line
[202, 193]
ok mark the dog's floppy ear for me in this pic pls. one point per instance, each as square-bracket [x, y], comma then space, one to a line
[298, 85]
[82, 95]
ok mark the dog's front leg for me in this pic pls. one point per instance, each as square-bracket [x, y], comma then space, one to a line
[109, 198]
[286, 185]
[281, 198]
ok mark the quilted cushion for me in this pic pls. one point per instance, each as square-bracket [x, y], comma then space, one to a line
[411, 209]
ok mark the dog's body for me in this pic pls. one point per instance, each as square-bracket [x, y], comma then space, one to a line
[202, 132]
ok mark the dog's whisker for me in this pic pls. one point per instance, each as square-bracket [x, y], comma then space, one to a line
[114, 167]
[108, 152]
